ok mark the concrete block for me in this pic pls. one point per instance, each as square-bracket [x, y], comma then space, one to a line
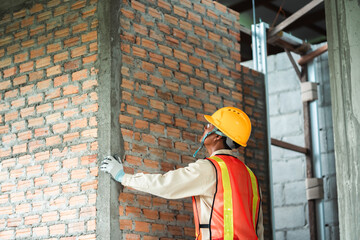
[327, 94]
[327, 141]
[331, 211]
[328, 232]
[335, 234]
[325, 117]
[280, 235]
[278, 195]
[298, 234]
[248, 64]
[328, 163]
[287, 124]
[274, 105]
[324, 94]
[285, 171]
[330, 140]
[295, 193]
[330, 189]
[271, 62]
[283, 81]
[283, 62]
[289, 217]
[277, 153]
[290, 101]
[296, 140]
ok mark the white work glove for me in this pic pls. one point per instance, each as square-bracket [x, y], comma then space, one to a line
[113, 166]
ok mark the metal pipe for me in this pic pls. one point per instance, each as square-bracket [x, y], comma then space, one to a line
[316, 152]
[290, 39]
[259, 39]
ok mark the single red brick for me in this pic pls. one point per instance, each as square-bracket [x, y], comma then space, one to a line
[148, 44]
[26, 67]
[165, 72]
[164, 28]
[125, 224]
[60, 10]
[127, 13]
[78, 4]
[12, 27]
[70, 89]
[36, 8]
[138, 6]
[61, 57]
[142, 226]
[91, 36]
[90, 108]
[79, 75]
[139, 52]
[44, 16]
[78, 51]
[88, 13]
[156, 57]
[140, 29]
[27, 21]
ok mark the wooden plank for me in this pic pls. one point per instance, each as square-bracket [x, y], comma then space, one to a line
[288, 146]
[308, 22]
[295, 17]
[293, 63]
[308, 57]
[245, 30]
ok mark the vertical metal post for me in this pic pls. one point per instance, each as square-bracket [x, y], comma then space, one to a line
[259, 43]
[309, 165]
[316, 152]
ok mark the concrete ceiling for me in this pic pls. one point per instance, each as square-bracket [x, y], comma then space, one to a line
[310, 27]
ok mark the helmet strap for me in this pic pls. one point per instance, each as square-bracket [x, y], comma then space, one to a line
[203, 140]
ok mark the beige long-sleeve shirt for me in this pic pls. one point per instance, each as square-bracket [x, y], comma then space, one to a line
[197, 179]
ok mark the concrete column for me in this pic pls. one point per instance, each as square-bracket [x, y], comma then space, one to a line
[110, 139]
[342, 22]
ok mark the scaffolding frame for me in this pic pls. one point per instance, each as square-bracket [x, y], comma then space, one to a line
[261, 36]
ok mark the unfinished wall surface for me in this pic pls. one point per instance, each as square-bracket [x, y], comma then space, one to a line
[180, 61]
[48, 125]
[81, 79]
[342, 27]
[289, 168]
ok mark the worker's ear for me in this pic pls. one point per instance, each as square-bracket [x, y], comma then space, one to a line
[218, 137]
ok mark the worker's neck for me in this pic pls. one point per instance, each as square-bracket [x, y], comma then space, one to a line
[214, 148]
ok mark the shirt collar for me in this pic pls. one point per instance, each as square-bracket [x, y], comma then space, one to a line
[223, 151]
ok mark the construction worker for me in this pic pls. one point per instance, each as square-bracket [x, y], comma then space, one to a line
[225, 192]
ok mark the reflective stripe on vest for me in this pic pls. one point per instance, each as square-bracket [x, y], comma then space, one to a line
[256, 197]
[235, 208]
[228, 205]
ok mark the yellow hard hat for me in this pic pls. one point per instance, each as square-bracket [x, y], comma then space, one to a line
[233, 122]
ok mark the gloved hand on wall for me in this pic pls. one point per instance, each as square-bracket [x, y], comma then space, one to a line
[114, 166]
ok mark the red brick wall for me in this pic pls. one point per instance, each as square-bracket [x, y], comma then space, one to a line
[180, 60]
[48, 125]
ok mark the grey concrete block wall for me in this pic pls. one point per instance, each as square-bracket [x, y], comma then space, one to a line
[289, 168]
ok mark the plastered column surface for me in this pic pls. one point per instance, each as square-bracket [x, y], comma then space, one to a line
[342, 21]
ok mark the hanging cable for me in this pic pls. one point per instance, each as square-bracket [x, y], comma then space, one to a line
[277, 14]
[254, 33]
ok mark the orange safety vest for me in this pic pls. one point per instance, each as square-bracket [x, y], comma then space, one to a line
[236, 203]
